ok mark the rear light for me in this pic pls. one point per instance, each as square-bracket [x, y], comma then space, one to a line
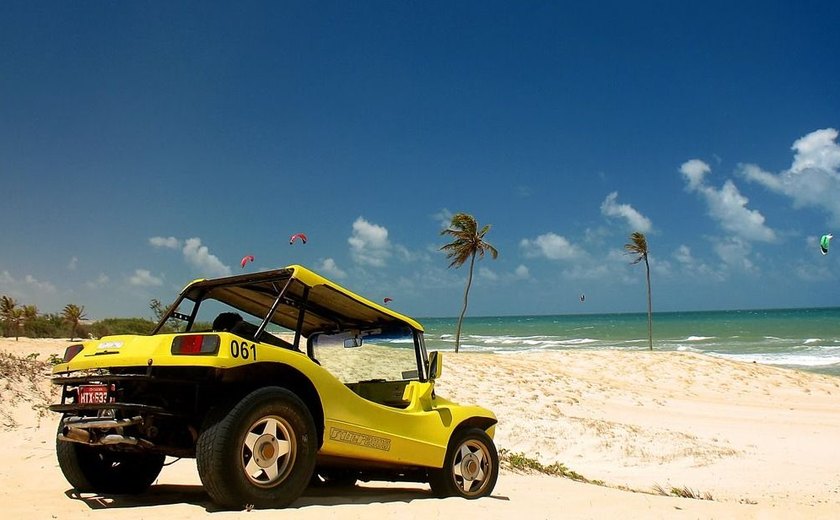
[196, 344]
[71, 352]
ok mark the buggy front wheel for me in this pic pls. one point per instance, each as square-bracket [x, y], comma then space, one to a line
[470, 468]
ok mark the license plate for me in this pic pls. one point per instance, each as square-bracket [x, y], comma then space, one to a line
[93, 394]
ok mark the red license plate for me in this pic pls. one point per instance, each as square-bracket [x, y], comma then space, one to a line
[93, 394]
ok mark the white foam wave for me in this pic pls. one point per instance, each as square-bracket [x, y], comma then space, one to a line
[687, 348]
[783, 359]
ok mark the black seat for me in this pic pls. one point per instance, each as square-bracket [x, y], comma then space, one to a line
[245, 330]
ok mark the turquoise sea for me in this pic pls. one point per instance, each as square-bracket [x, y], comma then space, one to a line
[805, 339]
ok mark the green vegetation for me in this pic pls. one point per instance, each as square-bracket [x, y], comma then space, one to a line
[26, 321]
[517, 461]
[73, 314]
[23, 384]
[111, 326]
[12, 316]
[683, 492]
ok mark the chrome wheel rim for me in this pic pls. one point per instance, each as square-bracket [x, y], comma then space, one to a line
[472, 467]
[268, 451]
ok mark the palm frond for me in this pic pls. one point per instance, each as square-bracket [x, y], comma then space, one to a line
[637, 246]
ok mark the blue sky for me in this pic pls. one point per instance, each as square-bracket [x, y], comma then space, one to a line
[145, 144]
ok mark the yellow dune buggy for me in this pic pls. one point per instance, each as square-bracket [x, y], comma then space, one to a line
[272, 381]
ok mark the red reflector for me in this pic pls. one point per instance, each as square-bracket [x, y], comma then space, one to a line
[191, 344]
[195, 344]
[71, 352]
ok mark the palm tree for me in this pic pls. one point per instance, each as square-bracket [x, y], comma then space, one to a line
[638, 246]
[10, 314]
[73, 314]
[16, 320]
[468, 242]
[29, 314]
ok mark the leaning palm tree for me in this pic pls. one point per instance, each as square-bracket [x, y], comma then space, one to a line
[638, 246]
[468, 242]
[73, 314]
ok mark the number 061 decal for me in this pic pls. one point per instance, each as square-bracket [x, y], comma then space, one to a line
[243, 350]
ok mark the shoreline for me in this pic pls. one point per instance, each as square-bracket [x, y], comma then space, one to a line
[759, 440]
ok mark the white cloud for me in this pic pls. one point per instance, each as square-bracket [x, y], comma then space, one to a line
[168, 242]
[369, 243]
[144, 278]
[196, 255]
[72, 264]
[727, 205]
[330, 268]
[522, 272]
[588, 271]
[817, 150]
[100, 281]
[813, 179]
[487, 274]
[444, 218]
[683, 255]
[635, 220]
[811, 272]
[735, 253]
[404, 254]
[694, 171]
[551, 246]
[199, 257]
[691, 266]
[28, 290]
[28, 284]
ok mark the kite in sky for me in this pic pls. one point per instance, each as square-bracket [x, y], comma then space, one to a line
[297, 236]
[824, 243]
[245, 260]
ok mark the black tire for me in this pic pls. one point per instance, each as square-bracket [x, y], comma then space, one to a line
[91, 469]
[261, 453]
[470, 468]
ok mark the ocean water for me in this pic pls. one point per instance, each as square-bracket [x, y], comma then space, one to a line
[804, 339]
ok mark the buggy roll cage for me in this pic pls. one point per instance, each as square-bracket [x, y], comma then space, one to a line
[294, 298]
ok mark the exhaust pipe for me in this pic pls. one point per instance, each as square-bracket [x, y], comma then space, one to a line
[100, 423]
[69, 433]
[84, 437]
[79, 430]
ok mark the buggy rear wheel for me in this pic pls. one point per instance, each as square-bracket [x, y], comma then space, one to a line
[92, 469]
[261, 453]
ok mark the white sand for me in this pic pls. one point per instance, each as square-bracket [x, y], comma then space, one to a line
[762, 442]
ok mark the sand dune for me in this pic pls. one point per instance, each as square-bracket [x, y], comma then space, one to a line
[761, 442]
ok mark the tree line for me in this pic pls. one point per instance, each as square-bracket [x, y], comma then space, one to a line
[24, 320]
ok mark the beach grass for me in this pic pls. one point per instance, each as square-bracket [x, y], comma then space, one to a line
[520, 462]
[681, 492]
